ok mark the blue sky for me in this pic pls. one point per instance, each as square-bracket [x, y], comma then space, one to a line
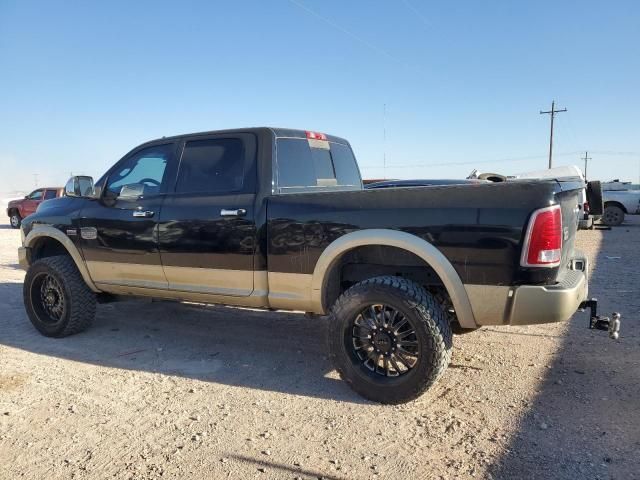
[463, 82]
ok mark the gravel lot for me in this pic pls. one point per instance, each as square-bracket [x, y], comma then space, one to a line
[159, 389]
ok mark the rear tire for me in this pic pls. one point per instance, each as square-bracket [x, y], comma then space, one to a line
[57, 300]
[613, 215]
[389, 339]
[15, 219]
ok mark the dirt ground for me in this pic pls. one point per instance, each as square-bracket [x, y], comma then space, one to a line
[158, 389]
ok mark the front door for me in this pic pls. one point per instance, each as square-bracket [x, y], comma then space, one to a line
[31, 202]
[207, 230]
[118, 233]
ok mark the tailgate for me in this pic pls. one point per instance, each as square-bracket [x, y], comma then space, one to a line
[568, 196]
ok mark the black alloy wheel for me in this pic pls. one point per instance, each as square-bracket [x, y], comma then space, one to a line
[47, 298]
[385, 340]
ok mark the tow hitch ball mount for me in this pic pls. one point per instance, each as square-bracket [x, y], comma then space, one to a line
[598, 322]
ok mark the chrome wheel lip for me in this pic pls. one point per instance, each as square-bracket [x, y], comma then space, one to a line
[384, 340]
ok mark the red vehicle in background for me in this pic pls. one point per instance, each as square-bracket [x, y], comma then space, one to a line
[19, 209]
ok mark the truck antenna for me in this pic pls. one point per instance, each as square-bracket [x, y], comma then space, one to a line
[384, 140]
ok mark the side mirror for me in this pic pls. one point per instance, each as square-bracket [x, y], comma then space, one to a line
[80, 186]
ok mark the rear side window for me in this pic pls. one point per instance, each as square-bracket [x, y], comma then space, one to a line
[49, 194]
[305, 168]
[212, 166]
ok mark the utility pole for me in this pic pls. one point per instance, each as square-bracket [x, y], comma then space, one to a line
[35, 179]
[552, 112]
[586, 159]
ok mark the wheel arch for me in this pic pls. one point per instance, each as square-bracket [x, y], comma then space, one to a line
[45, 240]
[615, 203]
[422, 249]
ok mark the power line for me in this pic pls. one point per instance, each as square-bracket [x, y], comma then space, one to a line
[609, 152]
[417, 13]
[333, 24]
[552, 113]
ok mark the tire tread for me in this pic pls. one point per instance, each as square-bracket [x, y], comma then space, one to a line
[81, 300]
[431, 314]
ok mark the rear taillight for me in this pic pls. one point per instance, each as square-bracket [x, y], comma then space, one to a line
[543, 242]
[585, 207]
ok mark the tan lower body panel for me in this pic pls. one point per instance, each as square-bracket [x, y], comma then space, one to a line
[291, 291]
[127, 274]
[490, 303]
[205, 285]
[237, 283]
[529, 304]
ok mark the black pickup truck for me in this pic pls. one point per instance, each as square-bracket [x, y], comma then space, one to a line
[278, 219]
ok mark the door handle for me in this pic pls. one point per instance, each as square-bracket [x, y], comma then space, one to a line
[238, 212]
[143, 213]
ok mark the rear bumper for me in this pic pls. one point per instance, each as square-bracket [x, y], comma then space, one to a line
[546, 304]
[531, 304]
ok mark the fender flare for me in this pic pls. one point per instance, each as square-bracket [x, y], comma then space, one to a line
[616, 203]
[406, 241]
[40, 231]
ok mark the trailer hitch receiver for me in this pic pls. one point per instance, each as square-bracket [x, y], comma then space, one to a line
[599, 322]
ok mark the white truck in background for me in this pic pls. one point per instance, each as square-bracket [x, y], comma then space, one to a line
[618, 203]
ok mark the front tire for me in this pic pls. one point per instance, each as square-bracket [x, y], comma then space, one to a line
[613, 216]
[389, 339]
[15, 219]
[57, 300]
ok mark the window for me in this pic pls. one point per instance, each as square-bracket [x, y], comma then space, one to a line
[141, 173]
[86, 186]
[301, 167]
[212, 166]
[37, 195]
[345, 164]
[49, 194]
[70, 187]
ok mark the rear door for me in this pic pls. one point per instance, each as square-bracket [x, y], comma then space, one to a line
[119, 232]
[50, 194]
[207, 230]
